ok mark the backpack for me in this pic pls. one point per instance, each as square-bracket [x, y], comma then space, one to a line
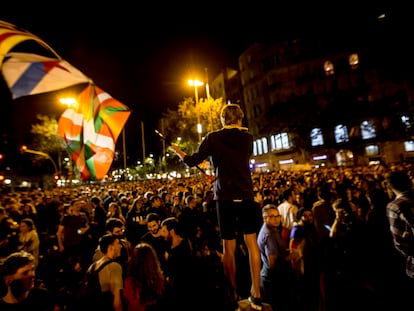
[89, 295]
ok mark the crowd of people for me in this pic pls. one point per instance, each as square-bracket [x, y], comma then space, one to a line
[332, 248]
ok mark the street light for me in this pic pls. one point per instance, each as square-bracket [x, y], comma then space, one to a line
[196, 84]
[43, 154]
[69, 102]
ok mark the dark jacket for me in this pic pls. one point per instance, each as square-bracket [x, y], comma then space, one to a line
[230, 150]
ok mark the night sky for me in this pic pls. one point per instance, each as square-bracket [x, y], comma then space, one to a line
[142, 54]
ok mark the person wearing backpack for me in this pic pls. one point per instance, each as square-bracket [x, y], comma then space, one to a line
[108, 272]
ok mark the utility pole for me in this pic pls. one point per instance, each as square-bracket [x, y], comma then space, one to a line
[143, 149]
[209, 101]
[124, 153]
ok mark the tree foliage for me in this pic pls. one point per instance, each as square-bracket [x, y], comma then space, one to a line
[45, 135]
[47, 140]
[183, 122]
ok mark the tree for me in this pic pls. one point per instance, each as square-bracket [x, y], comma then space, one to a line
[183, 122]
[47, 140]
[209, 109]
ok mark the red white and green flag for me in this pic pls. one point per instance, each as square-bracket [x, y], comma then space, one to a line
[91, 129]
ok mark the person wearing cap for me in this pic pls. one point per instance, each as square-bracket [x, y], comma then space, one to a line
[18, 285]
[230, 149]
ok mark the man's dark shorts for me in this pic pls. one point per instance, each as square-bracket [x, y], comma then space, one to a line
[238, 216]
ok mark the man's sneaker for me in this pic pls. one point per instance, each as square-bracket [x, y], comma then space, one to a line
[255, 303]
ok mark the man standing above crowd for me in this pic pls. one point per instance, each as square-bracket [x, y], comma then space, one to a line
[230, 149]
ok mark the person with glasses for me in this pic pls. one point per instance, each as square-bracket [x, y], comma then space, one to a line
[276, 276]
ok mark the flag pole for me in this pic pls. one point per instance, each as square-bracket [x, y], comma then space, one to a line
[143, 148]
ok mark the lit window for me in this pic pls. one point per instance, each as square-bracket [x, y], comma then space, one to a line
[280, 141]
[368, 130]
[265, 147]
[328, 67]
[372, 150]
[316, 137]
[353, 61]
[406, 121]
[409, 146]
[344, 157]
[259, 146]
[341, 134]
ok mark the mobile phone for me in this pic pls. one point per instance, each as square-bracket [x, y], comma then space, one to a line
[328, 227]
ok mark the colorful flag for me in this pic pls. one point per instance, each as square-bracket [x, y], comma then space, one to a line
[11, 35]
[91, 130]
[29, 74]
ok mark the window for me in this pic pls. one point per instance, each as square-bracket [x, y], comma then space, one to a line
[341, 134]
[264, 145]
[328, 67]
[344, 157]
[368, 130]
[409, 146]
[260, 146]
[406, 121]
[257, 147]
[353, 61]
[280, 141]
[372, 150]
[316, 137]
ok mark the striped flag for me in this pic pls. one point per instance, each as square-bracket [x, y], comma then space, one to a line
[11, 35]
[91, 130]
[30, 74]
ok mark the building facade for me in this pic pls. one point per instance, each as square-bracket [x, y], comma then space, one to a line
[313, 103]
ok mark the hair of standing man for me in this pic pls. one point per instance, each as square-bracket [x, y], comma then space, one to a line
[231, 114]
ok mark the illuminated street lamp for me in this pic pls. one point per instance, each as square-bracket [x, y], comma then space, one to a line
[196, 84]
[69, 102]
